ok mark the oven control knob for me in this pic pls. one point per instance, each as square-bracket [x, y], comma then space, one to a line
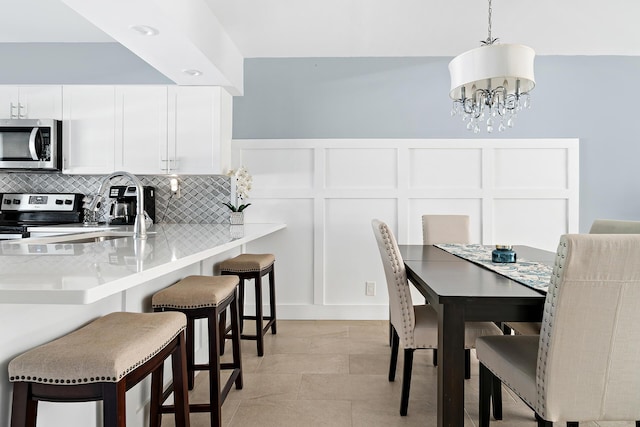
[16, 201]
[7, 201]
[59, 201]
[68, 202]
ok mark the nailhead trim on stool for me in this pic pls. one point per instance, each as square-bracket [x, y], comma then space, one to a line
[204, 297]
[255, 266]
[101, 361]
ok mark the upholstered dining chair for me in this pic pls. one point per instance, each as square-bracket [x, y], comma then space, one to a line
[599, 226]
[414, 327]
[445, 229]
[583, 365]
[614, 226]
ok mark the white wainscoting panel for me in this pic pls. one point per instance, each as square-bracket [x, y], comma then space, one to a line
[293, 248]
[445, 168]
[542, 219]
[349, 249]
[520, 191]
[531, 168]
[295, 168]
[345, 168]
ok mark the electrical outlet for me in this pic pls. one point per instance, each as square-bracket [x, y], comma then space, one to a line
[370, 289]
[174, 187]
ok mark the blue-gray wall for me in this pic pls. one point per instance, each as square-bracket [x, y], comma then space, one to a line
[74, 63]
[575, 97]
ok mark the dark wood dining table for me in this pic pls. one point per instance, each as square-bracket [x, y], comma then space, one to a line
[461, 291]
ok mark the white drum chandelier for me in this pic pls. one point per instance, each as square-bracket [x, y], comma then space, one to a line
[491, 83]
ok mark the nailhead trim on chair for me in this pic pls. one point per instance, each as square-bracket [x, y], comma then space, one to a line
[545, 331]
[94, 379]
[194, 292]
[400, 275]
[236, 264]
[89, 379]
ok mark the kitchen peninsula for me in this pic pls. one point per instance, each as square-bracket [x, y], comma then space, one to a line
[50, 286]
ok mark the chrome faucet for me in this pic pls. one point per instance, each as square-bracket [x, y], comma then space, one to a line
[139, 226]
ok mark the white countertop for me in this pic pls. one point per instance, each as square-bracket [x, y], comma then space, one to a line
[49, 271]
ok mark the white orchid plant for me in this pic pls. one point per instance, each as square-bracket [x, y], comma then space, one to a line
[243, 186]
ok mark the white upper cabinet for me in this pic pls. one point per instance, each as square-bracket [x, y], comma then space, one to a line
[148, 130]
[141, 126]
[31, 102]
[89, 129]
[200, 120]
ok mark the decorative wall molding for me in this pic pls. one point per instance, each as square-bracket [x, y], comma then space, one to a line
[520, 191]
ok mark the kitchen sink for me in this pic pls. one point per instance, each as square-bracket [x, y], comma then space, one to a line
[85, 239]
[80, 238]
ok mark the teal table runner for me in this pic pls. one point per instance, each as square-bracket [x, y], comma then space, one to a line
[530, 273]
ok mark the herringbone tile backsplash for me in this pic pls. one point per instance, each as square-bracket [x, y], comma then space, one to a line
[200, 200]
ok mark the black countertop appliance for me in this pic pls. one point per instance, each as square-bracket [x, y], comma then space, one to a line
[124, 204]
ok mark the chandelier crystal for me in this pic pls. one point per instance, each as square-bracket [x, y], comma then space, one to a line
[491, 84]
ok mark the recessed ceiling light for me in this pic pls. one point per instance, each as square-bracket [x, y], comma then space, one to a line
[193, 72]
[145, 30]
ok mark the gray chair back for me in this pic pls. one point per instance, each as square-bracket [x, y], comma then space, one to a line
[614, 226]
[445, 229]
[589, 349]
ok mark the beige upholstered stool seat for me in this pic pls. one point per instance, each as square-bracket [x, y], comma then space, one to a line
[254, 267]
[103, 351]
[196, 292]
[101, 361]
[245, 263]
[206, 297]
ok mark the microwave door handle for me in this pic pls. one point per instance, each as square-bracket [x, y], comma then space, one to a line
[32, 143]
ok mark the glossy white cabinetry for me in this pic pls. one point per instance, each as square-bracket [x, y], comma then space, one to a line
[200, 120]
[89, 129]
[154, 129]
[31, 102]
[141, 127]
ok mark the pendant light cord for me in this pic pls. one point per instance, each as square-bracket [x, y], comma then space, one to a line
[489, 28]
[489, 40]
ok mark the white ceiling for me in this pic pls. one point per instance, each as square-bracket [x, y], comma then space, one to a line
[311, 28]
[299, 28]
[327, 28]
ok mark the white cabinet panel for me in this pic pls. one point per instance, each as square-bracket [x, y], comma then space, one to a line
[31, 102]
[199, 130]
[89, 129]
[8, 102]
[147, 129]
[141, 122]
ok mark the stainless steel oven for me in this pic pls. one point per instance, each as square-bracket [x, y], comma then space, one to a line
[21, 211]
[30, 144]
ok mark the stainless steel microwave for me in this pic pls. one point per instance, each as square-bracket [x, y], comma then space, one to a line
[27, 144]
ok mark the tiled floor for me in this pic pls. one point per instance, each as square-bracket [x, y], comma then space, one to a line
[334, 373]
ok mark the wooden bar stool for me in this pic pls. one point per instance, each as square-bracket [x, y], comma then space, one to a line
[101, 361]
[255, 266]
[204, 297]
